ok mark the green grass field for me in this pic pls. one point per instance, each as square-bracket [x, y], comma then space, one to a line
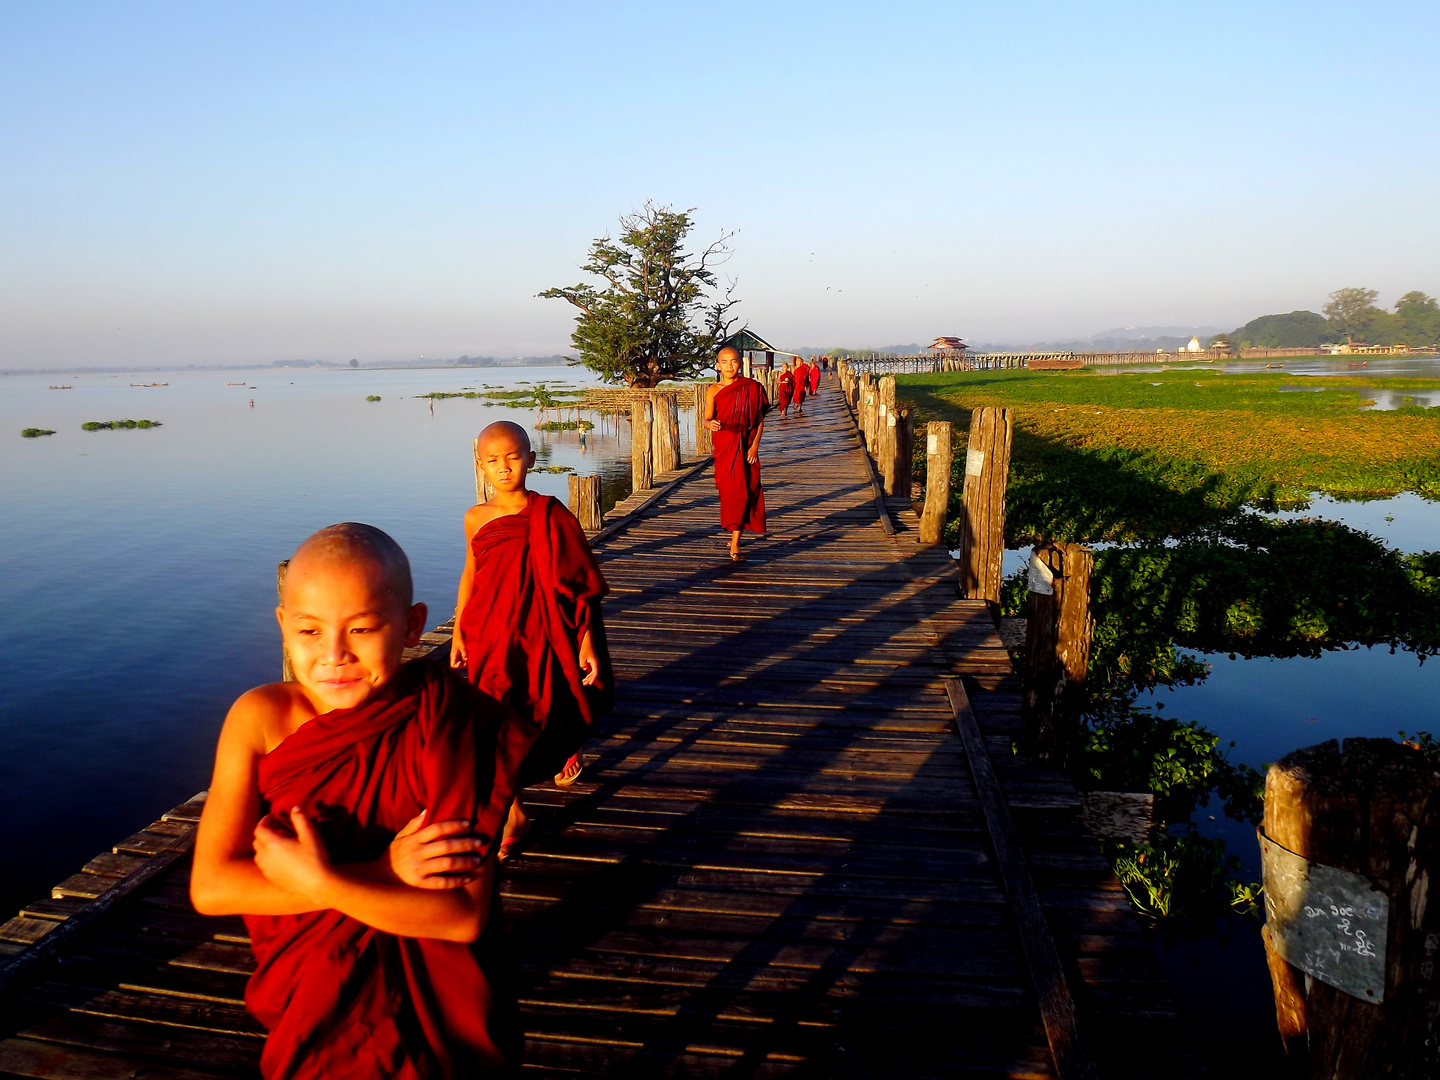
[1109, 456]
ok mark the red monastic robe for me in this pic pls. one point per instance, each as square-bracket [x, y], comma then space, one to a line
[802, 382]
[343, 1001]
[739, 407]
[814, 378]
[784, 390]
[536, 591]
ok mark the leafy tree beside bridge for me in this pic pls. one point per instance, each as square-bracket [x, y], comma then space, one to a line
[660, 313]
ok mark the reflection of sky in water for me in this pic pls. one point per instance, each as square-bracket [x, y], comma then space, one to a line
[139, 566]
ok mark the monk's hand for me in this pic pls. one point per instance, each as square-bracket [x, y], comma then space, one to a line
[457, 653]
[590, 664]
[290, 853]
[753, 457]
[445, 855]
[714, 425]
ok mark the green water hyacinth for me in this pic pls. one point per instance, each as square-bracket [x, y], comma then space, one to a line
[116, 425]
[35, 432]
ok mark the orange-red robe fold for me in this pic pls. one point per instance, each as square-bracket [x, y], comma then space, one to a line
[802, 382]
[739, 407]
[536, 592]
[341, 1000]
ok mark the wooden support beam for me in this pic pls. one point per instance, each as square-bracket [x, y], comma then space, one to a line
[585, 501]
[982, 530]
[904, 450]
[886, 434]
[642, 463]
[1057, 1007]
[664, 433]
[938, 462]
[483, 490]
[702, 433]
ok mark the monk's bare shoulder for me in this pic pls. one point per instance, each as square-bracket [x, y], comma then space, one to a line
[477, 517]
[711, 391]
[262, 718]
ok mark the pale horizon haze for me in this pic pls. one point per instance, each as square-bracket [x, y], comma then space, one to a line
[245, 183]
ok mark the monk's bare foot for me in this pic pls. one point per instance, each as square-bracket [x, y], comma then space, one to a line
[516, 826]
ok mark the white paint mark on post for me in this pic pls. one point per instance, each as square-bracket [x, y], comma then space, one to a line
[1040, 578]
[974, 462]
[932, 444]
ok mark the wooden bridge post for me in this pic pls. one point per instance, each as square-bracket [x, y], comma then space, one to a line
[642, 464]
[982, 529]
[1057, 649]
[1348, 842]
[904, 450]
[702, 433]
[287, 672]
[585, 501]
[886, 435]
[664, 433]
[483, 490]
[938, 461]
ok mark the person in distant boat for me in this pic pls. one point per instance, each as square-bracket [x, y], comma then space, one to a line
[784, 389]
[735, 410]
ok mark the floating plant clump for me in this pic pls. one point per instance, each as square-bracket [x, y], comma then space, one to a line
[35, 432]
[116, 425]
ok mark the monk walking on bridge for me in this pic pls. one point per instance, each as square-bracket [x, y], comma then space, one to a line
[735, 410]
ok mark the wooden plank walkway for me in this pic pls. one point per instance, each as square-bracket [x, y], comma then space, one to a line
[776, 863]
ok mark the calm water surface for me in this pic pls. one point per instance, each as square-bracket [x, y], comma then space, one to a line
[137, 568]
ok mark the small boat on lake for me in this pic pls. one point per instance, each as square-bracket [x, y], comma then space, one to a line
[149, 384]
[62, 388]
[234, 384]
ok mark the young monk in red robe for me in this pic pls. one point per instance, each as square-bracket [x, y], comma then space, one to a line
[784, 389]
[358, 974]
[735, 408]
[814, 379]
[802, 384]
[528, 629]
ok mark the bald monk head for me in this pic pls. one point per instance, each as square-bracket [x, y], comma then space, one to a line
[727, 361]
[347, 614]
[504, 454]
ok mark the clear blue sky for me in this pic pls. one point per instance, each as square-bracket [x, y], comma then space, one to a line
[219, 183]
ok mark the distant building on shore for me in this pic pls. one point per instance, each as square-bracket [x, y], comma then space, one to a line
[948, 344]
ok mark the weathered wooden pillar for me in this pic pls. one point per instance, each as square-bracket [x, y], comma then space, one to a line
[287, 672]
[1347, 844]
[585, 501]
[982, 528]
[904, 449]
[483, 490]
[642, 464]
[664, 433]
[745, 365]
[702, 433]
[1057, 649]
[885, 434]
[938, 461]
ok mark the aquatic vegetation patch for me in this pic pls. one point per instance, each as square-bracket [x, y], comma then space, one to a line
[564, 425]
[553, 469]
[35, 432]
[116, 425]
[1182, 875]
[372, 397]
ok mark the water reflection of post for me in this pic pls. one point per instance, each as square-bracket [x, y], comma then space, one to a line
[1057, 649]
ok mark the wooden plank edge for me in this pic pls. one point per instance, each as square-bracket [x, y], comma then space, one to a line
[684, 473]
[1057, 1006]
[18, 969]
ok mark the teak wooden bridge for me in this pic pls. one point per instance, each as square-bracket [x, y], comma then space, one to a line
[803, 845]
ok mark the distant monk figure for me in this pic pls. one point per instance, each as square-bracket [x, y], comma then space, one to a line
[802, 384]
[814, 379]
[784, 389]
[734, 412]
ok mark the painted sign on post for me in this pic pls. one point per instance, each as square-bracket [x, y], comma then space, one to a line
[1328, 922]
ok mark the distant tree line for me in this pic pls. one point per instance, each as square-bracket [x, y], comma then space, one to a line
[1349, 315]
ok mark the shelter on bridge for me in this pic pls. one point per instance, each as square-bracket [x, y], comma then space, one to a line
[749, 343]
[948, 344]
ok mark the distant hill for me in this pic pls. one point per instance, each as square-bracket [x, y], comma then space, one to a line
[1297, 330]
